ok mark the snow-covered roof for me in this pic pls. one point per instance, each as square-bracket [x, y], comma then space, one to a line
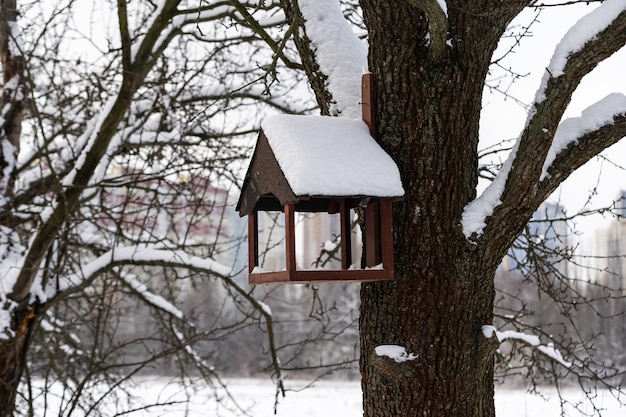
[331, 156]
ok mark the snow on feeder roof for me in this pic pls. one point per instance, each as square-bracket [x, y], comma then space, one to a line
[331, 156]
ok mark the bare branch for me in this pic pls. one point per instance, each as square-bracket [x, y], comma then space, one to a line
[97, 145]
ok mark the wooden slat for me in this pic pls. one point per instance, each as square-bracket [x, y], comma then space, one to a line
[290, 238]
[253, 240]
[386, 234]
[268, 277]
[372, 235]
[320, 276]
[346, 235]
[354, 275]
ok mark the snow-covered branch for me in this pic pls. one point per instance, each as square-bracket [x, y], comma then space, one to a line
[12, 97]
[337, 53]
[579, 139]
[590, 41]
[96, 144]
[531, 340]
[143, 256]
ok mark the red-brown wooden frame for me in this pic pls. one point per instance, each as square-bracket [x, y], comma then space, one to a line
[378, 241]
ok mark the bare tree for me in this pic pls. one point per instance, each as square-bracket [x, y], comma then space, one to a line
[124, 128]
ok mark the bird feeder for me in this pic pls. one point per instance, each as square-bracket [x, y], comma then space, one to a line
[320, 164]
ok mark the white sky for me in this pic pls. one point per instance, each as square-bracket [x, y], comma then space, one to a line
[504, 118]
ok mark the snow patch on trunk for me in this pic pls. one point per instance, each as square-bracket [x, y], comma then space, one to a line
[395, 352]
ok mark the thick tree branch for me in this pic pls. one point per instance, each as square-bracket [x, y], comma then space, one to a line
[12, 97]
[577, 154]
[122, 15]
[316, 77]
[250, 21]
[437, 24]
[520, 196]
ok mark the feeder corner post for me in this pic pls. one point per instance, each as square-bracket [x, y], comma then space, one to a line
[368, 102]
[253, 240]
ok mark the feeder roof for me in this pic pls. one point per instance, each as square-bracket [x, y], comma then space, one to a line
[302, 157]
[331, 156]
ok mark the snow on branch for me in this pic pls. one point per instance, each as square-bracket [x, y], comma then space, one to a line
[522, 180]
[475, 213]
[132, 255]
[568, 132]
[199, 362]
[585, 30]
[341, 55]
[10, 263]
[531, 340]
[151, 298]
[87, 140]
[592, 118]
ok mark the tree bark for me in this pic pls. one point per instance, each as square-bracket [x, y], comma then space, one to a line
[12, 350]
[13, 359]
[428, 118]
[11, 101]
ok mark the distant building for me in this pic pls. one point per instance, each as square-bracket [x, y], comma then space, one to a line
[611, 248]
[188, 211]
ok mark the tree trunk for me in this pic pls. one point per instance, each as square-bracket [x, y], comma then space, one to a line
[12, 347]
[12, 361]
[428, 112]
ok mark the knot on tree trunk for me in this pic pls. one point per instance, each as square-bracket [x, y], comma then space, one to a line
[392, 369]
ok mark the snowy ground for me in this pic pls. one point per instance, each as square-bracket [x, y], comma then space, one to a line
[324, 399]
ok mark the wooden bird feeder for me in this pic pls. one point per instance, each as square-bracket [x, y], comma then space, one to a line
[317, 164]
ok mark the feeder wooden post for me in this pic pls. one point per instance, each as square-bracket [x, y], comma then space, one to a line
[386, 234]
[253, 242]
[368, 102]
[290, 238]
[346, 234]
[372, 235]
[372, 212]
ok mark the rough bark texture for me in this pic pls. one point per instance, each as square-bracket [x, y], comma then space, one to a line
[13, 359]
[13, 351]
[12, 99]
[428, 117]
